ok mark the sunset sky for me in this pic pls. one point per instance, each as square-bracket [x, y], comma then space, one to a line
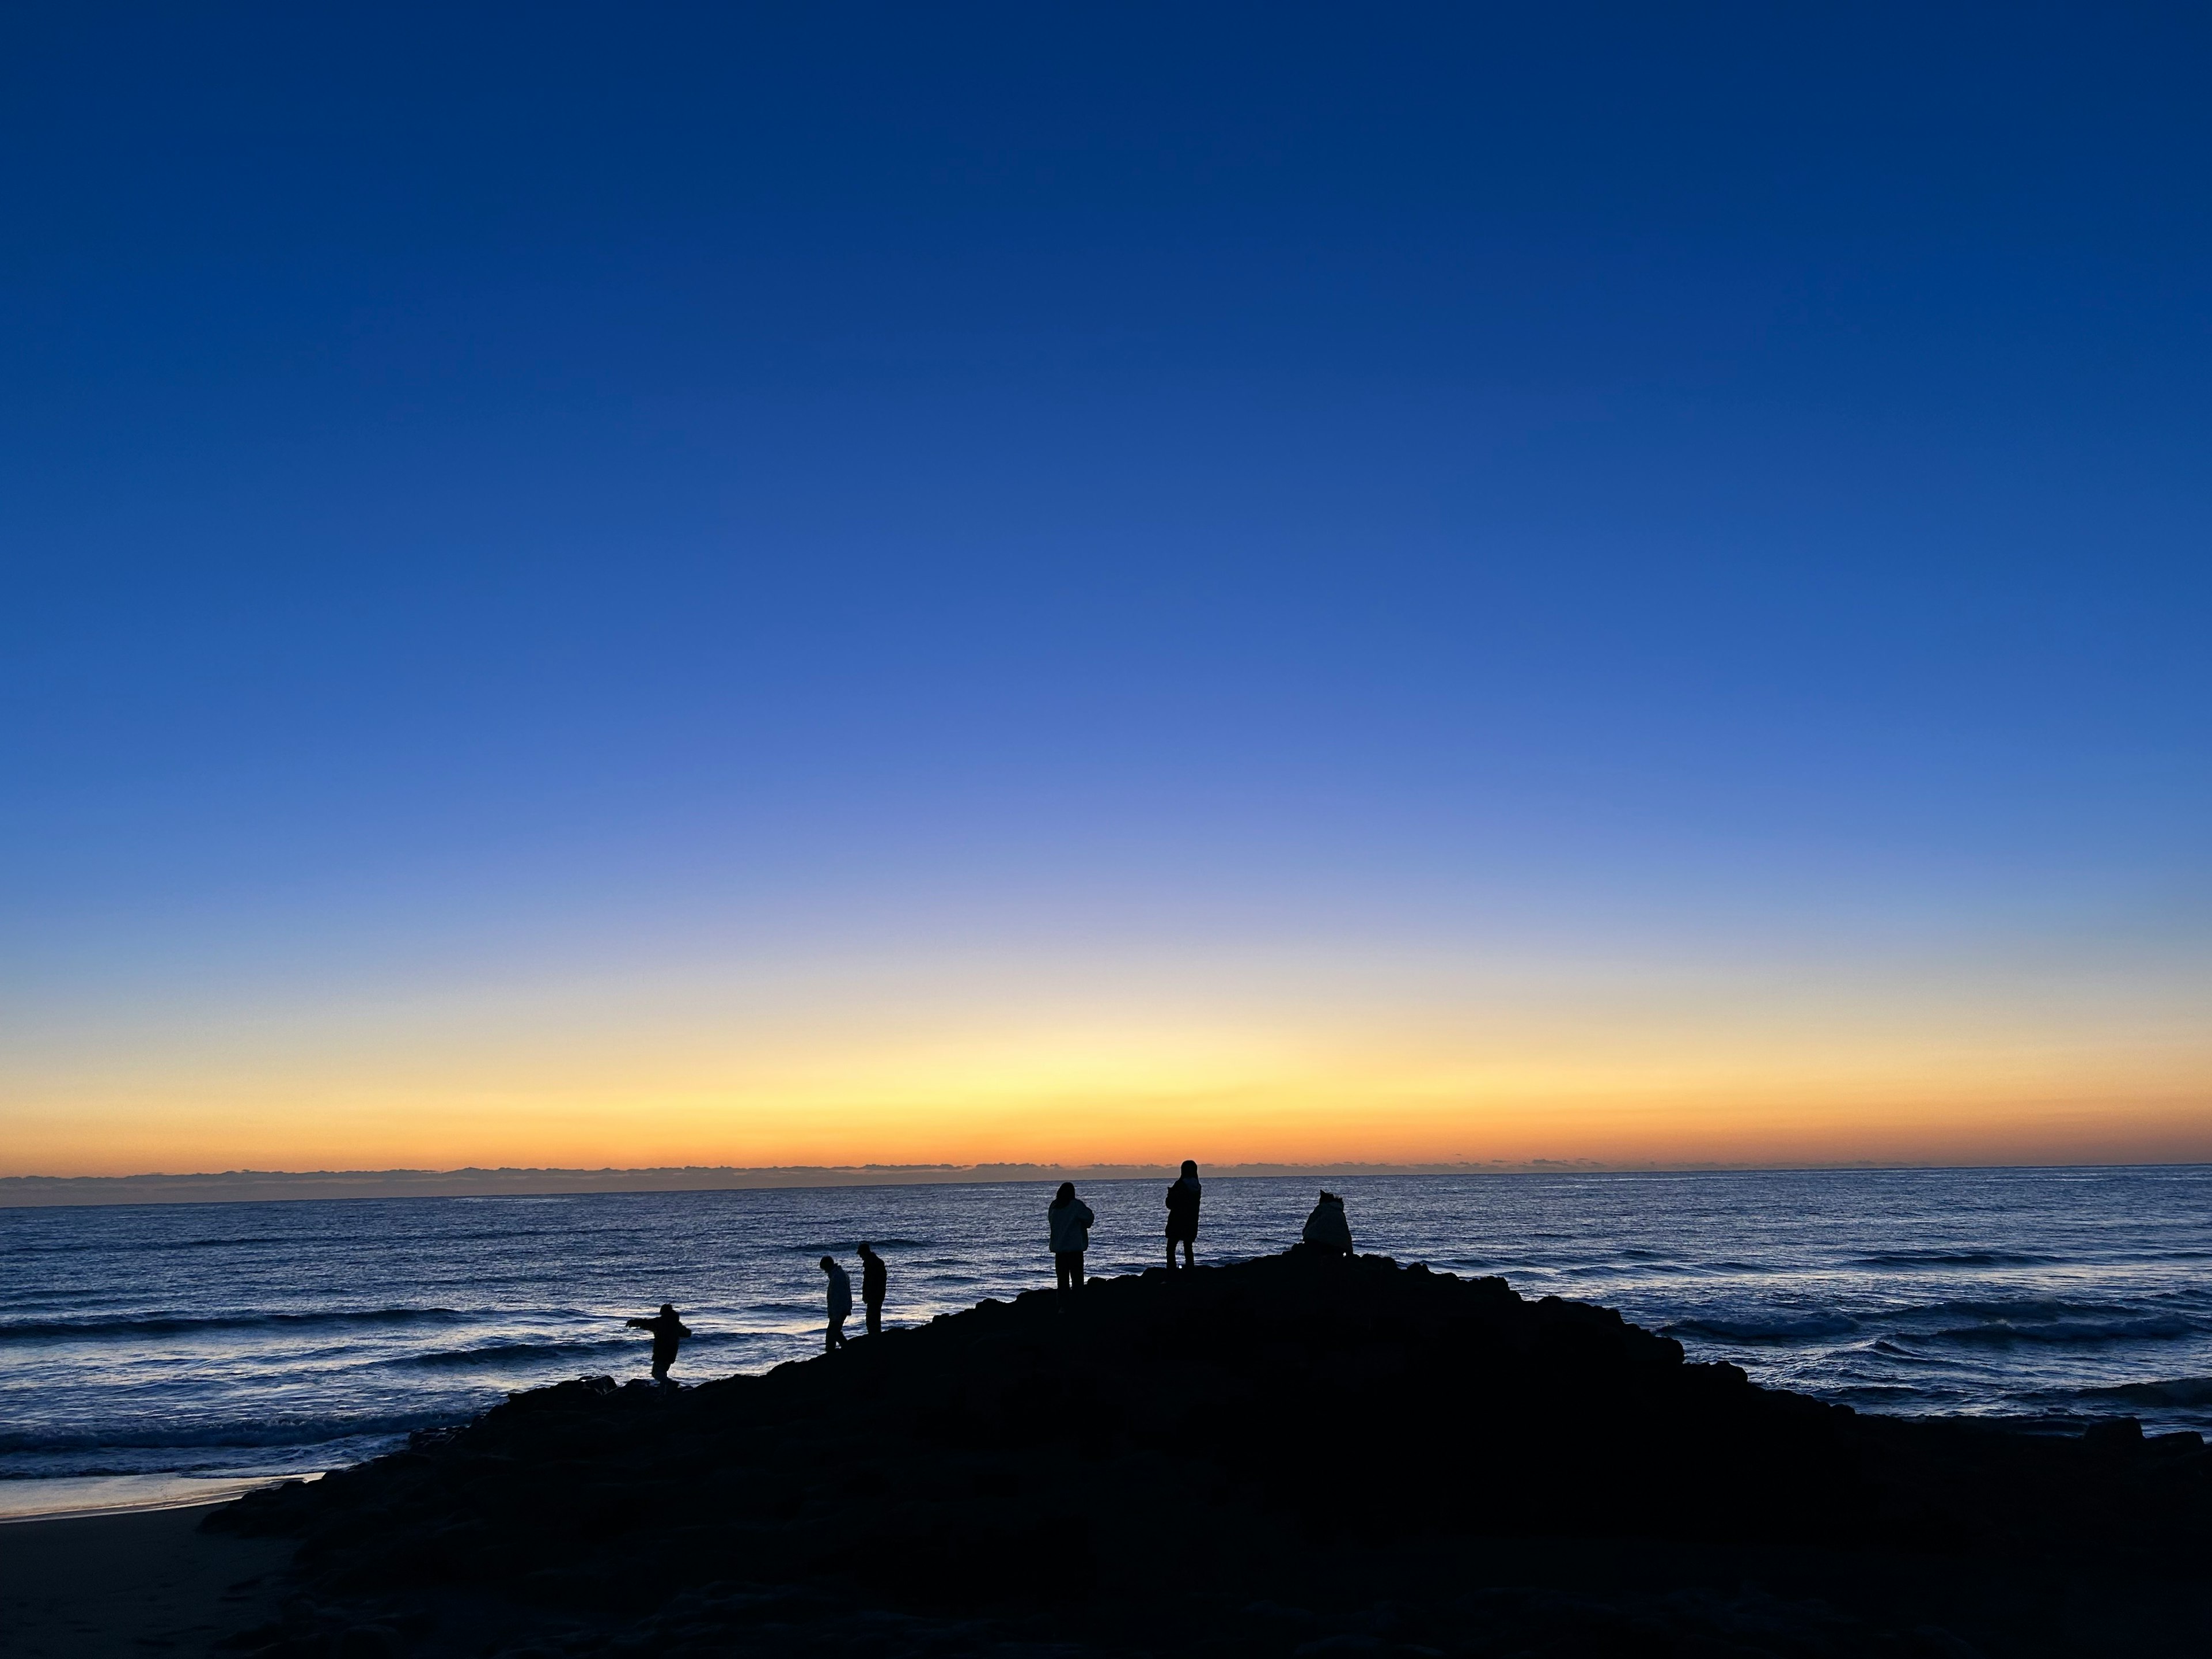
[883, 584]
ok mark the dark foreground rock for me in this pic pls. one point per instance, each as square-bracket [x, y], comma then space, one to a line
[1286, 1456]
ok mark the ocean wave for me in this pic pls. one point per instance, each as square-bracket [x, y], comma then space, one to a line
[2157, 1327]
[1810, 1328]
[518, 1353]
[2181, 1391]
[35, 1330]
[245, 1433]
[1882, 1393]
[125, 1247]
[1952, 1259]
[848, 1247]
[2011, 1307]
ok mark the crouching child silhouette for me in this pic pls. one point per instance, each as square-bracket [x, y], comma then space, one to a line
[1326, 1231]
[668, 1333]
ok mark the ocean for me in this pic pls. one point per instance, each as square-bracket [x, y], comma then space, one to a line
[152, 1353]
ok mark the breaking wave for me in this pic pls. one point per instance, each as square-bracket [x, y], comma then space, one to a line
[38, 1330]
[1812, 1328]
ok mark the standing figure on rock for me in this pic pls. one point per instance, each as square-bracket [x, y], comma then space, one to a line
[1327, 1230]
[1182, 1215]
[872, 1279]
[1070, 1218]
[668, 1333]
[841, 1305]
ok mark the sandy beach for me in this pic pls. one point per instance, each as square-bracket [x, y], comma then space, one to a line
[86, 1586]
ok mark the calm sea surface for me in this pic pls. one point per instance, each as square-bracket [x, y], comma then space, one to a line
[146, 1345]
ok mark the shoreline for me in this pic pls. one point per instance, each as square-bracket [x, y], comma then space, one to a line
[99, 1495]
[117, 1585]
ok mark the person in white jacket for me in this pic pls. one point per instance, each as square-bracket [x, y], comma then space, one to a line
[841, 1303]
[1070, 1219]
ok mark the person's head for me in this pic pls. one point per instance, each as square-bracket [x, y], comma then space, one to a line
[1328, 1197]
[867, 1248]
[1190, 1168]
[668, 1307]
[1066, 1195]
[829, 1262]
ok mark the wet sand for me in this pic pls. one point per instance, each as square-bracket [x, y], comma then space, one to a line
[146, 1584]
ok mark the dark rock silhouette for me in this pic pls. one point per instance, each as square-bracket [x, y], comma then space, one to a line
[1301, 1455]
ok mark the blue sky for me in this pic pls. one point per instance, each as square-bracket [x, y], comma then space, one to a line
[488, 494]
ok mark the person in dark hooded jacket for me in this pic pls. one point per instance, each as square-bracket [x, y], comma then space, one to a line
[873, 1282]
[668, 1333]
[1182, 1215]
[1327, 1230]
[1068, 1220]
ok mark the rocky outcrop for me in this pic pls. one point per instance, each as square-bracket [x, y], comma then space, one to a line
[1291, 1455]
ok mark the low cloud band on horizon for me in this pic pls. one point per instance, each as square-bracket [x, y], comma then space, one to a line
[237, 1186]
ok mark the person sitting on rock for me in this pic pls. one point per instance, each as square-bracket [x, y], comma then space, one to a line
[841, 1303]
[1182, 1215]
[1327, 1230]
[1069, 1219]
[668, 1333]
[873, 1277]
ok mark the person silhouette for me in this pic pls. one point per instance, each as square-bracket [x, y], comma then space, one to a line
[873, 1277]
[1327, 1230]
[841, 1303]
[668, 1334]
[1182, 1215]
[1068, 1218]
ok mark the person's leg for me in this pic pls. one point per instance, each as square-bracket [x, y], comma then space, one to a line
[1060, 1270]
[1171, 1252]
[833, 1338]
[1190, 1253]
[1075, 1268]
[875, 1319]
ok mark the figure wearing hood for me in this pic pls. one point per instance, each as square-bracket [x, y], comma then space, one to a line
[1182, 1215]
[668, 1334]
[1069, 1219]
[873, 1282]
[841, 1305]
[1326, 1228]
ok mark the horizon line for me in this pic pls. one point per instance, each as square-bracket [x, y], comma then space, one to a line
[474, 1180]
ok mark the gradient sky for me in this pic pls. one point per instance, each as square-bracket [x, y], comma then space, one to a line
[738, 584]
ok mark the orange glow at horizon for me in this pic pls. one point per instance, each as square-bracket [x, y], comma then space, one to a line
[704, 1074]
